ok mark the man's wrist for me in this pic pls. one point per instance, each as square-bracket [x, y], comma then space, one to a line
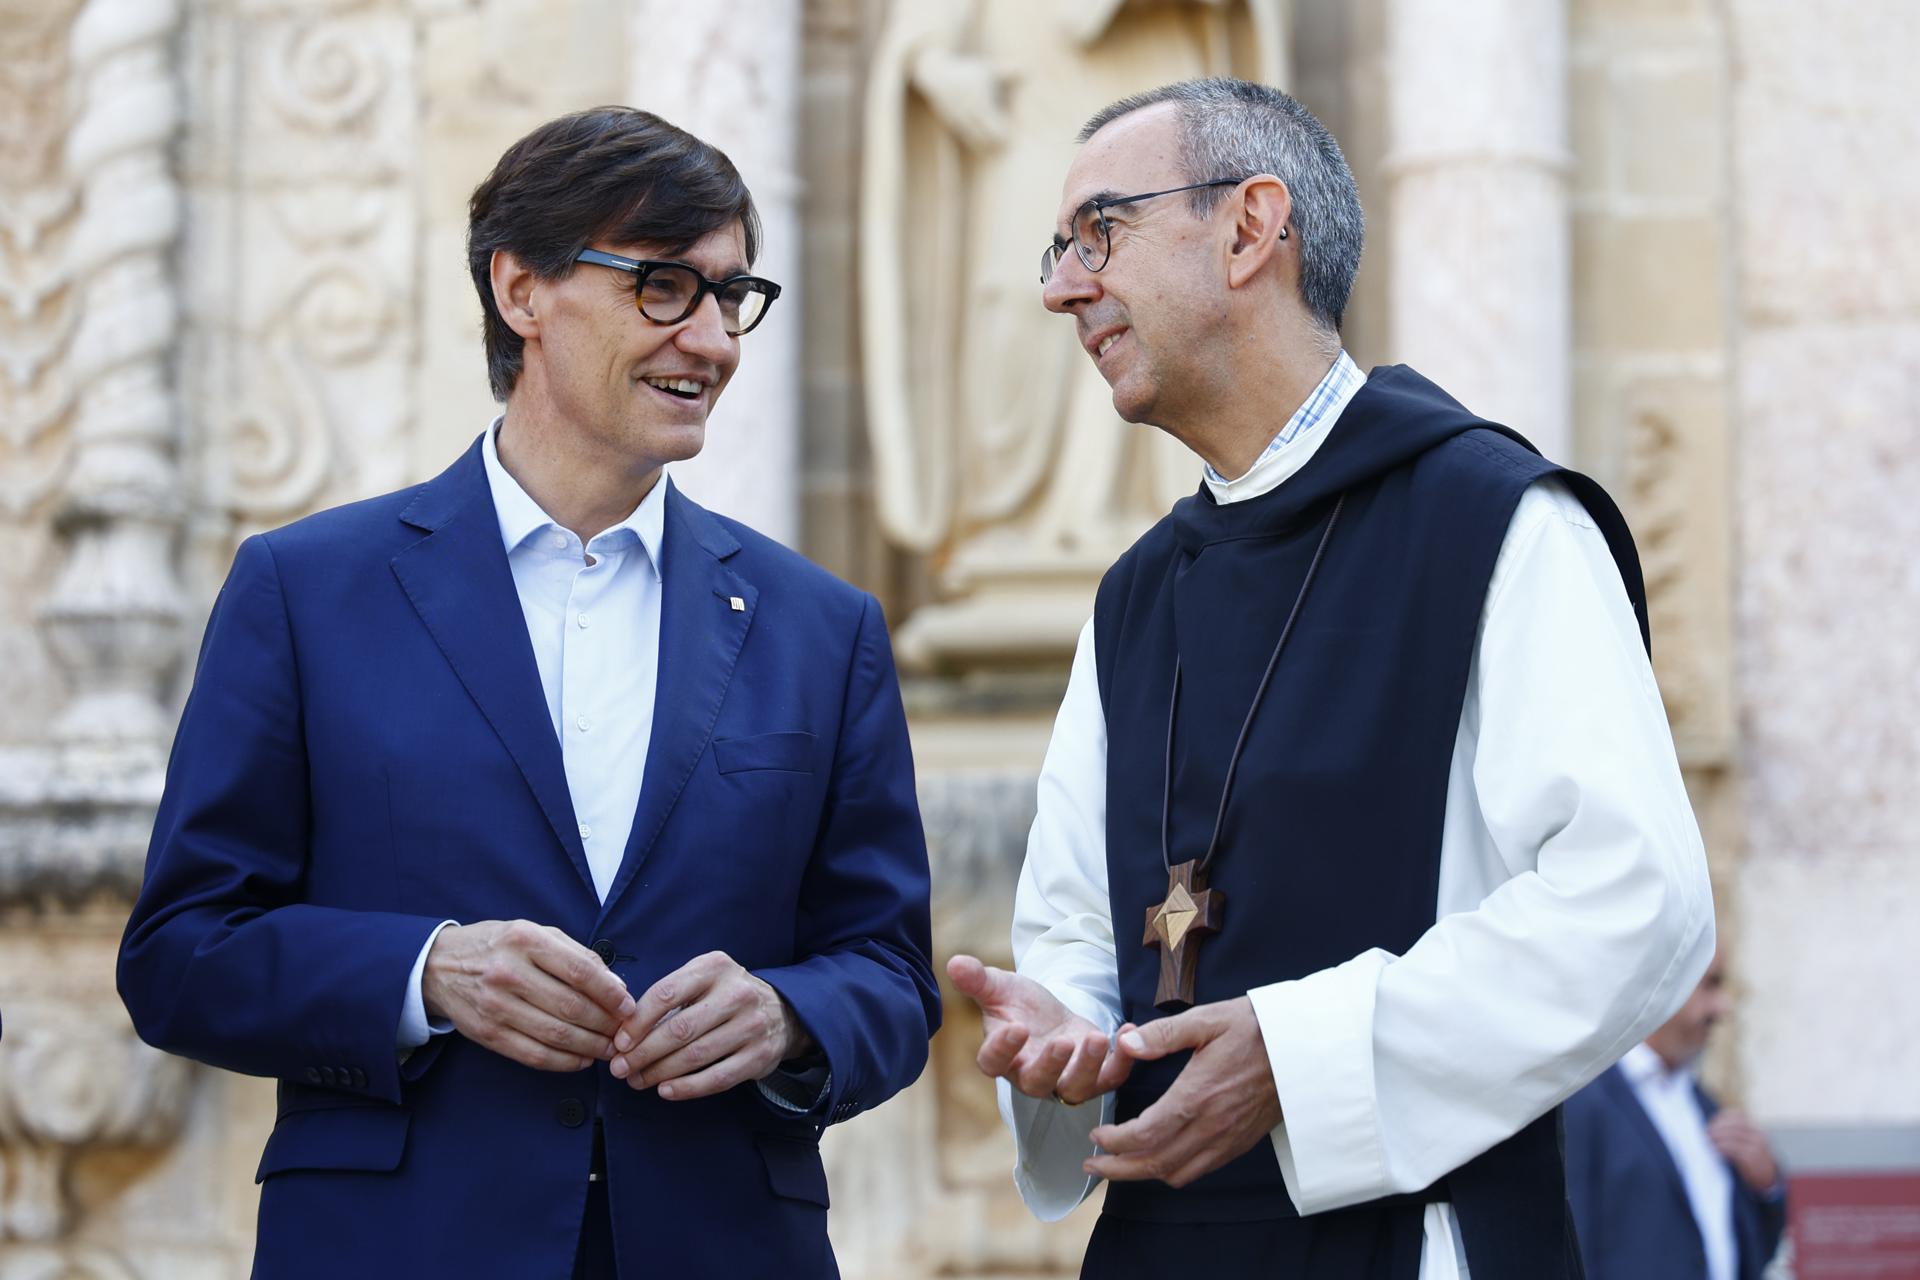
[800, 1043]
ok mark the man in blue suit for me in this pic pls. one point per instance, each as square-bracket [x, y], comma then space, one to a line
[552, 840]
[1665, 1183]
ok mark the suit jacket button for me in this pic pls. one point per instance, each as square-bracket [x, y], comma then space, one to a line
[313, 1075]
[328, 1076]
[604, 949]
[359, 1078]
[571, 1112]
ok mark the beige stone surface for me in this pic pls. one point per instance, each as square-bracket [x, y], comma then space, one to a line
[1479, 230]
[1824, 106]
[1828, 523]
[1742, 360]
[1828, 401]
[1826, 1028]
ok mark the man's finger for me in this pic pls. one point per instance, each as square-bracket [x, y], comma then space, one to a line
[1038, 1074]
[715, 1045]
[528, 1052]
[1000, 1048]
[976, 981]
[683, 986]
[1119, 1063]
[536, 1024]
[677, 1031]
[554, 953]
[1163, 1036]
[723, 1075]
[1081, 1078]
[1157, 1126]
[555, 998]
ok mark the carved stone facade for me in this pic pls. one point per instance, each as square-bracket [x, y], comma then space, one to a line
[233, 289]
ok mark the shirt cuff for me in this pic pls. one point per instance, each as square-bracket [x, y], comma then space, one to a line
[1052, 1139]
[1319, 1039]
[799, 1088]
[415, 1027]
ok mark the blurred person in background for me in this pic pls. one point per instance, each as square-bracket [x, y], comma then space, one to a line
[1667, 1184]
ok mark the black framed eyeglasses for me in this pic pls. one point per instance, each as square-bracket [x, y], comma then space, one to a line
[668, 292]
[1093, 238]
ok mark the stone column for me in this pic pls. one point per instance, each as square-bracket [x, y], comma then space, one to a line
[731, 74]
[93, 299]
[1478, 170]
[113, 618]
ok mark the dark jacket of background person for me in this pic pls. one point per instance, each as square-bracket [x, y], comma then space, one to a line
[1629, 1202]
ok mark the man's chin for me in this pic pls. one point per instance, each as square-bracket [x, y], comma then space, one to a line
[680, 442]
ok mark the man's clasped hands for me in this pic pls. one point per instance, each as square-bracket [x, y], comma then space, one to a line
[533, 994]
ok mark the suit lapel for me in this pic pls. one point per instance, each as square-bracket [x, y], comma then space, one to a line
[1642, 1125]
[701, 632]
[459, 583]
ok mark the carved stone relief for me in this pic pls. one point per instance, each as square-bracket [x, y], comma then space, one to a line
[1676, 497]
[301, 381]
[90, 111]
[39, 308]
[997, 452]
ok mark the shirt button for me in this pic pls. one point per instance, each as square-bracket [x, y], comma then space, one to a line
[560, 541]
[583, 619]
[584, 723]
[586, 832]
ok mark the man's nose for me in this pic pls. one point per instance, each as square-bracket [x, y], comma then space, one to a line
[1070, 285]
[704, 333]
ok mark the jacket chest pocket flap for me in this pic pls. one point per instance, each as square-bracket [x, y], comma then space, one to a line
[792, 752]
[367, 1138]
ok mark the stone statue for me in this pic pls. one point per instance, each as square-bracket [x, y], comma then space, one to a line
[996, 448]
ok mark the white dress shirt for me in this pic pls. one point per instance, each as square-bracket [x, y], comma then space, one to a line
[593, 615]
[1672, 1103]
[1574, 913]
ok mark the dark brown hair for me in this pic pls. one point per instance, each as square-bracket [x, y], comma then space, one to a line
[612, 174]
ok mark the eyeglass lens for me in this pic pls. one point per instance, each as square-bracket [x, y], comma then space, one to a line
[1090, 243]
[668, 295]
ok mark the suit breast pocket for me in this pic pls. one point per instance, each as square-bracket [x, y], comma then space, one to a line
[786, 752]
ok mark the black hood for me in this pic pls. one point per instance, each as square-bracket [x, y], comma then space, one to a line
[1395, 417]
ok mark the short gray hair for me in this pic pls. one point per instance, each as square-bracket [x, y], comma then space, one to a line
[1234, 129]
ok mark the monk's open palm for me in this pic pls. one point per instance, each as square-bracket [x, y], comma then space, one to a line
[1033, 1041]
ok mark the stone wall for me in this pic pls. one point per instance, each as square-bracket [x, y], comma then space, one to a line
[1827, 389]
[232, 263]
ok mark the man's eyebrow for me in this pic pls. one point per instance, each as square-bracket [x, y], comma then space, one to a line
[726, 273]
[1105, 193]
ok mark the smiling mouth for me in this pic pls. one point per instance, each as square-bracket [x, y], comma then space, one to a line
[679, 388]
[1106, 343]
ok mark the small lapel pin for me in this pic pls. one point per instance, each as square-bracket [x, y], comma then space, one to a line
[739, 605]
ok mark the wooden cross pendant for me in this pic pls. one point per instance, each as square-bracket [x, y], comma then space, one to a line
[1190, 912]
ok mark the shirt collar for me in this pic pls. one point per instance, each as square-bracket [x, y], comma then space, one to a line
[1298, 440]
[1643, 1067]
[521, 517]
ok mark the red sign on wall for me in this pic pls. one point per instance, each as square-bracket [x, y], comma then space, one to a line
[1855, 1226]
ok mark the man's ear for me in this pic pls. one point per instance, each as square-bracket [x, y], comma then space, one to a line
[513, 293]
[1260, 209]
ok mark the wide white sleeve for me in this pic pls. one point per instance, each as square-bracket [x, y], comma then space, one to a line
[1063, 937]
[1575, 912]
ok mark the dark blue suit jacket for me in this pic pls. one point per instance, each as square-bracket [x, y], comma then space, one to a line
[1629, 1203]
[367, 751]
